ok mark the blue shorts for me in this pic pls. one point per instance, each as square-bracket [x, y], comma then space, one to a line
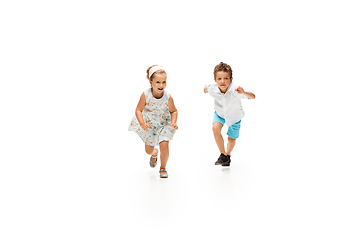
[233, 130]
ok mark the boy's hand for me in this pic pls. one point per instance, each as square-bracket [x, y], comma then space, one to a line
[174, 126]
[145, 126]
[239, 90]
[205, 89]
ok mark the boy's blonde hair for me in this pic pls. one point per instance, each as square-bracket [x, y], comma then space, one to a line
[161, 71]
[223, 67]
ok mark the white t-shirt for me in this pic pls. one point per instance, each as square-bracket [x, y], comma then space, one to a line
[227, 105]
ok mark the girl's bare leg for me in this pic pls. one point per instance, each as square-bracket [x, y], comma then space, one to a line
[151, 151]
[164, 153]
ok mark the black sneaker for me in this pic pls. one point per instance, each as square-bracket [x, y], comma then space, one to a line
[228, 163]
[223, 159]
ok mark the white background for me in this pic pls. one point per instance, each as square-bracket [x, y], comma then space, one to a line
[72, 73]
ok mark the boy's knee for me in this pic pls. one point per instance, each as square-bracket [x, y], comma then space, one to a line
[231, 139]
[216, 127]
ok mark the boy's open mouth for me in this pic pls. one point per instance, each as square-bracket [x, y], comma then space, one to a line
[160, 89]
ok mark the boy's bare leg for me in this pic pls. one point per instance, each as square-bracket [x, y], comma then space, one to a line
[230, 145]
[164, 153]
[218, 137]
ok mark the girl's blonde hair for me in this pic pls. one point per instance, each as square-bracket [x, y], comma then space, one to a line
[161, 71]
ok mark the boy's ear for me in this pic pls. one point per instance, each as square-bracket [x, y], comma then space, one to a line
[231, 79]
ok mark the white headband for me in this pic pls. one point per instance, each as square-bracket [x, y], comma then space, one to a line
[154, 69]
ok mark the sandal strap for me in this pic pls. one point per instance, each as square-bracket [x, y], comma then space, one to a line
[157, 152]
[163, 170]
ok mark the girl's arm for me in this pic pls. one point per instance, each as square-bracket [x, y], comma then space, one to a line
[139, 115]
[173, 112]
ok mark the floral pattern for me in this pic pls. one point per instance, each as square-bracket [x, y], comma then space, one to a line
[155, 112]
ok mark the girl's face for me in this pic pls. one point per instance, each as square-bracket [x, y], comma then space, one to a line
[158, 84]
[223, 80]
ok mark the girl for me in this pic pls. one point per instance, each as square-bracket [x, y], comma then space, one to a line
[155, 118]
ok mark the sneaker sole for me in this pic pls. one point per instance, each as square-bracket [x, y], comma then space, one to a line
[222, 164]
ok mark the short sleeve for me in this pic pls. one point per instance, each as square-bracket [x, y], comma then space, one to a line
[240, 96]
[208, 87]
[211, 89]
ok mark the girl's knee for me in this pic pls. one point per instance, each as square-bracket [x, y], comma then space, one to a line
[164, 145]
[149, 149]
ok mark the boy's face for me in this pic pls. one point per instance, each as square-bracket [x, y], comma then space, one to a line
[223, 80]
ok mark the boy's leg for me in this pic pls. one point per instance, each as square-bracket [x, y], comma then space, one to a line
[218, 123]
[164, 153]
[230, 145]
[218, 137]
[233, 134]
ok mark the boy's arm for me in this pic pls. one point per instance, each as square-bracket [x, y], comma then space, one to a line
[205, 89]
[210, 89]
[249, 95]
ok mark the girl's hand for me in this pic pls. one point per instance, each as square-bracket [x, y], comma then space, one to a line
[145, 126]
[174, 126]
[205, 89]
[239, 90]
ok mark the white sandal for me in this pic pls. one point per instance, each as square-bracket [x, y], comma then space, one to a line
[153, 164]
[163, 175]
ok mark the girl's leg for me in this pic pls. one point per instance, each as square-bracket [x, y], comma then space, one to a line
[151, 151]
[218, 137]
[164, 153]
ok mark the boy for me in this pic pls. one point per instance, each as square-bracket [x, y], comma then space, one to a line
[227, 109]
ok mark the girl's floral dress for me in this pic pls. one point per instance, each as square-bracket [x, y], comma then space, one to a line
[156, 112]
